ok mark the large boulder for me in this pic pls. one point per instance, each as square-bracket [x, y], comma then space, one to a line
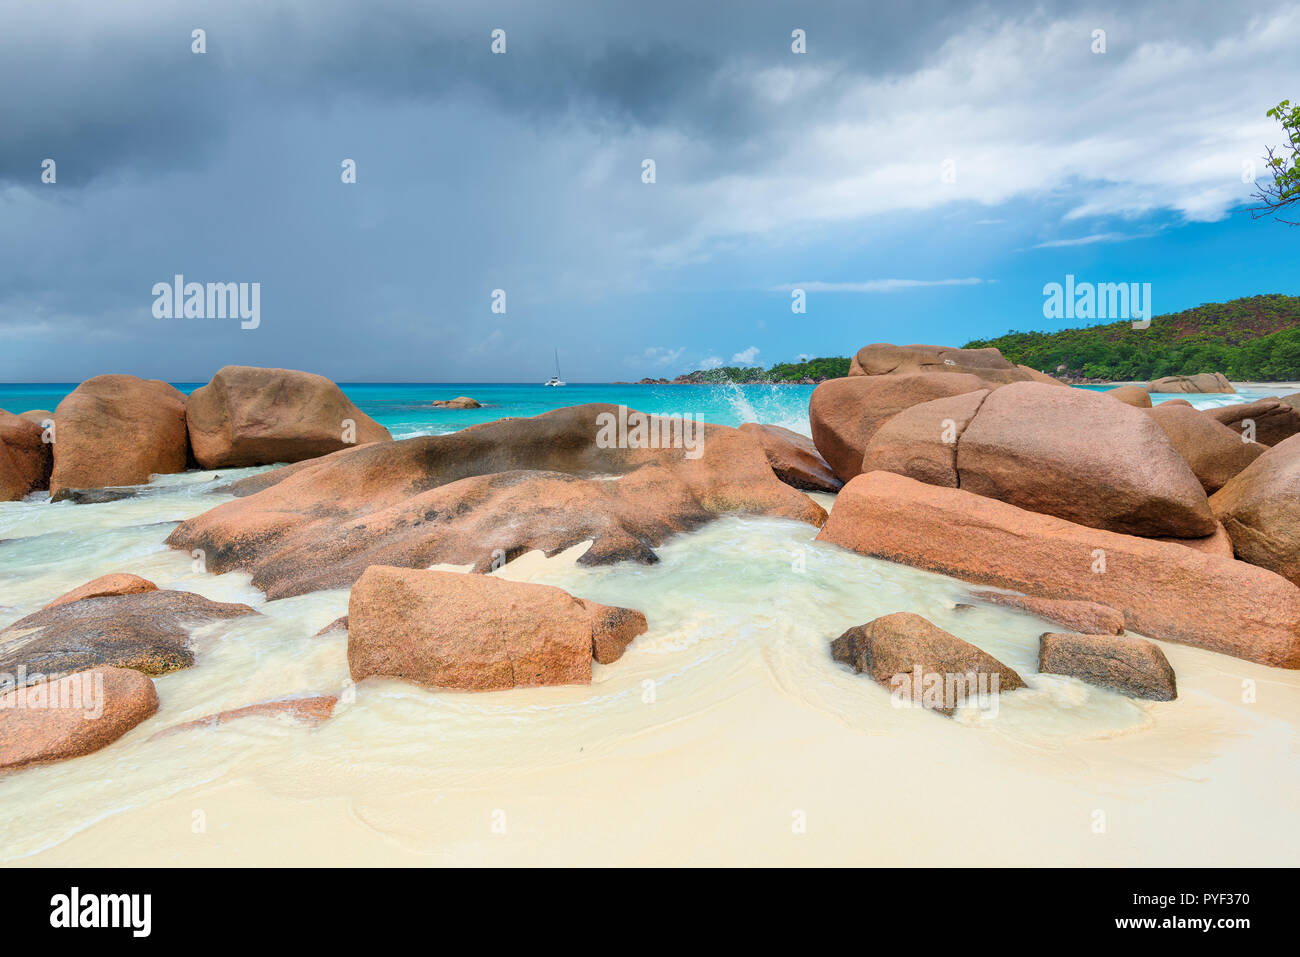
[1272, 419]
[1204, 382]
[921, 442]
[845, 413]
[1066, 452]
[1133, 395]
[1131, 666]
[1085, 616]
[25, 457]
[251, 416]
[910, 655]
[148, 631]
[486, 494]
[885, 358]
[1215, 452]
[1260, 508]
[1080, 456]
[73, 715]
[460, 402]
[1165, 591]
[118, 430]
[478, 633]
[794, 458]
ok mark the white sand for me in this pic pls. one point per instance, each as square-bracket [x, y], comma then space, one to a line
[752, 728]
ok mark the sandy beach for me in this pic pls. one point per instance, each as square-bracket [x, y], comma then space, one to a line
[725, 735]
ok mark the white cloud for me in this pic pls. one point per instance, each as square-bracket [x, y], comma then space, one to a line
[1085, 240]
[660, 356]
[712, 362]
[747, 357]
[1025, 111]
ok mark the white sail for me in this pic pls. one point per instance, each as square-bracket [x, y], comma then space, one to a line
[555, 380]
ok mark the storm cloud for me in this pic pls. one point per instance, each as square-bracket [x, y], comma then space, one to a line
[523, 172]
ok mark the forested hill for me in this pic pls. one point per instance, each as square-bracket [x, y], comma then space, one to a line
[1251, 339]
[803, 371]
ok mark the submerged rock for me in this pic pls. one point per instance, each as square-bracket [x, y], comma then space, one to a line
[905, 652]
[147, 631]
[478, 633]
[845, 413]
[794, 458]
[1131, 666]
[1203, 382]
[1085, 616]
[312, 710]
[1163, 590]
[25, 457]
[1260, 509]
[338, 624]
[116, 430]
[486, 494]
[72, 716]
[96, 496]
[251, 416]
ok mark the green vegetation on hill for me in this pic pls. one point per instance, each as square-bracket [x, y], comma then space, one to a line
[814, 369]
[1251, 339]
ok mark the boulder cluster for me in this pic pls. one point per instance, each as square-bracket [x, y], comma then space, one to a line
[373, 515]
[118, 430]
[485, 495]
[1183, 522]
[1100, 513]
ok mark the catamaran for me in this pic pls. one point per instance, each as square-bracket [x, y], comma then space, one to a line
[555, 380]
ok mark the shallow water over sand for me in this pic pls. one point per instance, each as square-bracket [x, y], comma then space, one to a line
[726, 734]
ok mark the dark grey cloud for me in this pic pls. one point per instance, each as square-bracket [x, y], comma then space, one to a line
[107, 87]
[518, 171]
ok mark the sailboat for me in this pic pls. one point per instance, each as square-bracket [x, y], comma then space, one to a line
[555, 380]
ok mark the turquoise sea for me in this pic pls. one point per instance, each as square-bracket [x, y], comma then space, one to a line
[405, 408]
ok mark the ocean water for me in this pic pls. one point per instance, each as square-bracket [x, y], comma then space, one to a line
[721, 723]
[405, 409]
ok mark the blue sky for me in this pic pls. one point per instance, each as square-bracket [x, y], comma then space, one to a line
[984, 149]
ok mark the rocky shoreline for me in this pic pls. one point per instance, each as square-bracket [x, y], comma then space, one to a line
[1095, 511]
